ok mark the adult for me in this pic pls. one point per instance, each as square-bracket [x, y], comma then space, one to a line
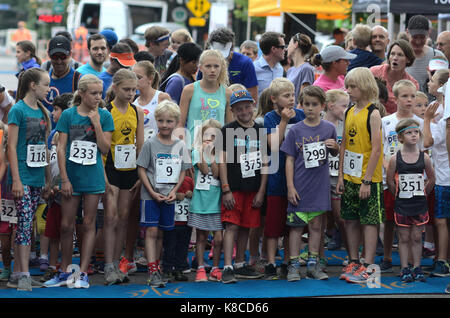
[400, 55]
[299, 52]
[443, 43]
[250, 48]
[379, 41]
[240, 67]
[63, 78]
[418, 31]
[80, 44]
[334, 61]
[21, 33]
[98, 53]
[157, 43]
[361, 40]
[267, 66]
[339, 37]
[47, 65]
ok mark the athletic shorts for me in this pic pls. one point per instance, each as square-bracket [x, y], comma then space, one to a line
[41, 215]
[430, 201]
[205, 221]
[442, 202]
[53, 224]
[389, 202]
[154, 214]
[301, 219]
[408, 221]
[275, 224]
[6, 227]
[124, 180]
[369, 211]
[243, 214]
[334, 194]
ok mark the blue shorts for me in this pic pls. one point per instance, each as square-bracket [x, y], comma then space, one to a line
[154, 214]
[442, 202]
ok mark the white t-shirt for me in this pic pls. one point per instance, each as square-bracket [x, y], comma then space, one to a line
[439, 153]
[6, 101]
[150, 127]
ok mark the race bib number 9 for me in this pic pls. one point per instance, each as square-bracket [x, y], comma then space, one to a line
[168, 170]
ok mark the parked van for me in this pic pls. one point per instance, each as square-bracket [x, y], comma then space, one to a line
[121, 16]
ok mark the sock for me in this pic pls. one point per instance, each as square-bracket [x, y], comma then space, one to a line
[428, 245]
[228, 267]
[239, 265]
[15, 275]
[44, 256]
[99, 256]
[152, 267]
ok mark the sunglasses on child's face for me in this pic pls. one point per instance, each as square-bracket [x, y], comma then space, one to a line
[58, 57]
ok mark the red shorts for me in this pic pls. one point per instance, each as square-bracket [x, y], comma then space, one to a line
[389, 202]
[6, 227]
[430, 201]
[53, 224]
[243, 214]
[276, 212]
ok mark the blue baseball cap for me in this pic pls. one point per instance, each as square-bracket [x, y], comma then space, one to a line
[111, 37]
[240, 96]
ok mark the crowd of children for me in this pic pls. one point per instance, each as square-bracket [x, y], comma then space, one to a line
[219, 169]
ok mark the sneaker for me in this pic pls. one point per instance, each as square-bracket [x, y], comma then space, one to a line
[428, 252]
[34, 262]
[58, 280]
[179, 276]
[228, 276]
[314, 271]
[215, 275]
[447, 289]
[82, 281]
[270, 272]
[43, 264]
[24, 283]
[441, 269]
[201, 275]
[194, 264]
[293, 274]
[418, 275]
[283, 271]
[122, 277]
[6, 273]
[247, 272]
[12, 282]
[323, 263]
[406, 275]
[380, 248]
[359, 276]
[99, 267]
[348, 270]
[155, 280]
[430, 269]
[111, 276]
[260, 265]
[386, 266]
[336, 241]
[127, 267]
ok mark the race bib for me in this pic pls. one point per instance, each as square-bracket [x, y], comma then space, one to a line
[53, 155]
[125, 156]
[411, 185]
[36, 156]
[181, 210]
[204, 181]
[333, 163]
[83, 152]
[250, 162]
[148, 133]
[313, 153]
[353, 163]
[168, 170]
[8, 212]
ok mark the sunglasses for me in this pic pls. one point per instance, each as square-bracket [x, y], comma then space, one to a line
[281, 46]
[58, 57]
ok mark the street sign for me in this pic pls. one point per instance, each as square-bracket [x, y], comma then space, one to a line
[197, 22]
[198, 7]
[179, 14]
[58, 6]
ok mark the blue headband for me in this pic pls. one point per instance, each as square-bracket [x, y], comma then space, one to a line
[409, 127]
[163, 38]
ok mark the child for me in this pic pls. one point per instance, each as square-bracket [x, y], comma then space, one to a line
[26, 56]
[308, 181]
[434, 136]
[121, 169]
[162, 166]
[435, 85]
[243, 183]
[360, 172]
[404, 96]
[361, 34]
[84, 135]
[410, 208]
[204, 213]
[421, 104]
[6, 228]
[336, 105]
[28, 128]
[278, 122]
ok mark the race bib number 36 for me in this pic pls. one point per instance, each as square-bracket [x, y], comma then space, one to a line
[83, 152]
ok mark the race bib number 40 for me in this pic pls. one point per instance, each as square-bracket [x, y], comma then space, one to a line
[83, 152]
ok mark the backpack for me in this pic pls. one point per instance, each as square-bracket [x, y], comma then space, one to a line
[163, 85]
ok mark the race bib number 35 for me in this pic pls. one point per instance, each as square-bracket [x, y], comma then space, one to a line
[181, 210]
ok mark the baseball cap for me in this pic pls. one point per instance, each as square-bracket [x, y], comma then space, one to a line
[240, 96]
[111, 37]
[418, 24]
[437, 64]
[222, 48]
[59, 44]
[125, 59]
[335, 52]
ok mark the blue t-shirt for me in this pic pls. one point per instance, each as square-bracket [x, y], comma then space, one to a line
[32, 126]
[60, 86]
[84, 178]
[107, 80]
[88, 69]
[276, 182]
[363, 59]
[175, 87]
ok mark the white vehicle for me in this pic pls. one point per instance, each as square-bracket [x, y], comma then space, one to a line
[121, 16]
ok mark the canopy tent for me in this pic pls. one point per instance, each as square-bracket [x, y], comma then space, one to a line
[324, 9]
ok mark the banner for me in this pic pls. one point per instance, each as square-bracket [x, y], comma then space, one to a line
[420, 7]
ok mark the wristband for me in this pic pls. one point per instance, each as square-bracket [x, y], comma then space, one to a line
[225, 186]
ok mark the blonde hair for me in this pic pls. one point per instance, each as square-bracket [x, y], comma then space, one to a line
[421, 94]
[83, 84]
[362, 35]
[333, 95]
[207, 124]
[167, 107]
[279, 85]
[223, 75]
[184, 33]
[237, 87]
[442, 76]
[400, 84]
[121, 76]
[265, 102]
[150, 71]
[363, 78]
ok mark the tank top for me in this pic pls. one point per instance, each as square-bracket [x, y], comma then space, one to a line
[150, 127]
[124, 133]
[358, 141]
[416, 204]
[204, 106]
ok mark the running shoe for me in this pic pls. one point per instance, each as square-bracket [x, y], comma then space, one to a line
[58, 280]
[315, 271]
[441, 269]
[111, 276]
[82, 281]
[247, 272]
[406, 275]
[386, 266]
[293, 274]
[228, 276]
[6, 273]
[24, 283]
[215, 275]
[428, 252]
[447, 289]
[179, 276]
[201, 275]
[360, 276]
[270, 272]
[155, 280]
[43, 264]
[126, 266]
[418, 275]
[348, 270]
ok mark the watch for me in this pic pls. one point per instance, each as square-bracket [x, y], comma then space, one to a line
[366, 182]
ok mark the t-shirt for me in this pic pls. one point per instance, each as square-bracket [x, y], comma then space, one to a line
[439, 153]
[266, 74]
[363, 59]
[327, 83]
[304, 74]
[312, 184]
[420, 66]
[88, 69]
[238, 140]
[175, 85]
[107, 81]
[154, 152]
[84, 178]
[32, 126]
[276, 182]
[59, 86]
[204, 201]
[150, 126]
[161, 62]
